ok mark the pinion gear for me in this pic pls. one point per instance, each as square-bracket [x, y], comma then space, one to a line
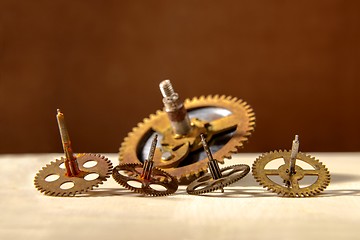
[80, 183]
[291, 187]
[226, 121]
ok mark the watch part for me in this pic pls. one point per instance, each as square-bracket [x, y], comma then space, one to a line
[145, 178]
[291, 174]
[73, 174]
[227, 123]
[217, 178]
[53, 179]
[206, 183]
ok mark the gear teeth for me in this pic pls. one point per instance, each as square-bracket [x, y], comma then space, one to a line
[102, 168]
[226, 181]
[123, 183]
[312, 190]
[203, 101]
[222, 97]
[229, 98]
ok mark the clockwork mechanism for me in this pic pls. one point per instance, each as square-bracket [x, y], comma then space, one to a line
[227, 122]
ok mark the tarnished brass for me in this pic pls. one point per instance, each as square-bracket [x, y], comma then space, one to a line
[290, 173]
[217, 178]
[147, 177]
[180, 154]
[80, 185]
[74, 174]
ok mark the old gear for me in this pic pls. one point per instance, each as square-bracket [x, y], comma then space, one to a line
[125, 173]
[217, 178]
[74, 174]
[206, 183]
[227, 123]
[145, 177]
[292, 188]
[80, 182]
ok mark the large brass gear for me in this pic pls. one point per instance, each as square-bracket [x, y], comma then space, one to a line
[81, 185]
[226, 121]
[291, 186]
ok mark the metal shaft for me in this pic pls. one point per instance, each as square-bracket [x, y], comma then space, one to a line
[175, 109]
[149, 163]
[71, 165]
[294, 152]
[212, 164]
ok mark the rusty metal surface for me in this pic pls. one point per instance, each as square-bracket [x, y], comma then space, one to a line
[184, 159]
[80, 184]
[147, 179]
[124, 173]
[291, 186]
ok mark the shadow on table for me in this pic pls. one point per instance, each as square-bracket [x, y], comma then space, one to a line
[340, 193]
[228, 193]
[237, 189]
[108, 192]
[240, 193]
[344, 178]
[260, 193]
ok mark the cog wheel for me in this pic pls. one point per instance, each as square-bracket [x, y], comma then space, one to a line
[291, 186]
[206, 183]
[227, 123]
[124, 174]
[53, 180]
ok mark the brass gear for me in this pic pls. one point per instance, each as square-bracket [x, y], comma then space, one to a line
[206, 183]
[103, 168]
[188, 163]
[293, 189]
[124, 173]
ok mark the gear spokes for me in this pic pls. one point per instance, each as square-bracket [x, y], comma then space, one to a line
[226, 121]
[291, 174]
[74, 174]
[145, 178]
[217, 178]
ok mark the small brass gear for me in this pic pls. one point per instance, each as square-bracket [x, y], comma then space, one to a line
[125, 173]
[81, 184]
[226, 121]
[206, 183]
[291, 187]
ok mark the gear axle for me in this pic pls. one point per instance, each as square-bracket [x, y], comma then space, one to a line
[225, 121]
[80, 173]
[217, 178]
[145, 178]
[290, 173]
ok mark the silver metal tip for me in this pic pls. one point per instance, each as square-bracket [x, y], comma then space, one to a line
[166, 88]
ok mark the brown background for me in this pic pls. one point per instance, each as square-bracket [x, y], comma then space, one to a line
[296, 63]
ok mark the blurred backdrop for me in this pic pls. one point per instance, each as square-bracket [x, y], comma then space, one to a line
[296, 63]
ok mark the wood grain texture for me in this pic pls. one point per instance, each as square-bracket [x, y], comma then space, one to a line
[295, 63]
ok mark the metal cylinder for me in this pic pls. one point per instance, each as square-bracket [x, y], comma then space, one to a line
[294, 152]
[71, 164]
[175, 109]
[214, 169]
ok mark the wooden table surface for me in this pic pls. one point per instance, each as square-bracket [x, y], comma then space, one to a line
[244, 211]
